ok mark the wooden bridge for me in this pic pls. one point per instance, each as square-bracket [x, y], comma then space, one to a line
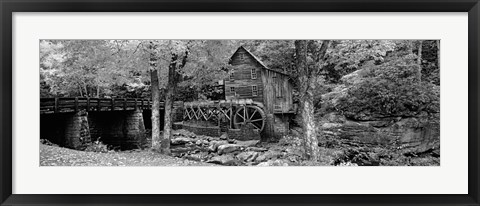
[64, 105]
[75, 122]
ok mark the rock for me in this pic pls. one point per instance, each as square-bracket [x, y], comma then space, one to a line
[232, 141]
[224, 160]
[248, 156]
[180, 140]
[199, 157]
[256, 149]
[228, 148]
[294, 151]
[296, 131]
[224, 136]
[201, 142]
[215, 144]
[293, 158]
[269, 155]
[359, 157]
[212, 148]
[273, 163]
[334, 117]
[180, 150]
[331, 125]
[249, 143]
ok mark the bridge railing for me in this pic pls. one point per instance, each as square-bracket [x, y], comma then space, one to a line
[59, 105]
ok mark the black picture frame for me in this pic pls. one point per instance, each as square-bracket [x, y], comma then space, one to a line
[7, 8]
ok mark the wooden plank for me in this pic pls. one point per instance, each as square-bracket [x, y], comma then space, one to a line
[112, 106]
[79, 103]
[88, 104]
[49, 103]
[76, 104]
[56, 105]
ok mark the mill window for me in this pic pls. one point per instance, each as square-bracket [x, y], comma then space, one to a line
[254, 74]
[254, 91]
[241, 56]
[278, 90]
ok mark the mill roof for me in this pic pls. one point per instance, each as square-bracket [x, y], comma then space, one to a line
[258, 60]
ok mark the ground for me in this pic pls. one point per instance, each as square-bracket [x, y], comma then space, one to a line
[189, 149]
[59, 156]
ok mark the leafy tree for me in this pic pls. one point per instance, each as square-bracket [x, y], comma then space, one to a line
[309, 62]
[193, 63]
[89, 67]
[390, 90]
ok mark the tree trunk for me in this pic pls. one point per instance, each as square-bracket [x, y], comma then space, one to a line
[169, 99]
[98, 91]
[304, 81]
[80, 89]
[309, 127]
[155, 110]
[410, 46]
[155, 99]
[419, 60]
[85, 88]
[438, 53]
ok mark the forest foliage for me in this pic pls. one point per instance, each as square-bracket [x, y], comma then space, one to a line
[384, 74]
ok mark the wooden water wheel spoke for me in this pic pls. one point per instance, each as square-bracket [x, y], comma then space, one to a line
[253, 114]
[239, 115]
[245, 113]
[256, 126]
[250, 116]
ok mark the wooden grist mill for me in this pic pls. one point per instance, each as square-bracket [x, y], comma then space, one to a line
[258, 100]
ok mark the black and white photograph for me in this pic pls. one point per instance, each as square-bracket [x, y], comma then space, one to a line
[237, 102]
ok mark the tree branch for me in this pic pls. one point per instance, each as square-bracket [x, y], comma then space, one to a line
[321, 55]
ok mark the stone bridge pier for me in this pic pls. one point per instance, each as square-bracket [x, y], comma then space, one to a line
[125, 129]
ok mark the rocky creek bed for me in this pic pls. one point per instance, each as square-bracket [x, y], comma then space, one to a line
[337, 148]
[334, 151]
[224, 151]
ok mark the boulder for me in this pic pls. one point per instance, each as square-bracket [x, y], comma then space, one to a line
[228, 148]
[199, 157]
[249, 143]
[201, 142]
[248, 156]
[256, 149]
[294, 151]
[269, 155]
[180, 141]
[227, 159]
[224, 136]
[329, 125]
[215, 144]
[273, 163]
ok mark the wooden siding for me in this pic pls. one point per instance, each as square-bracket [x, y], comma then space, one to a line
[277, 83]
[242, 77]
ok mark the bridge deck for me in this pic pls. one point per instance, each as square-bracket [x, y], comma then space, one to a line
[63, 105]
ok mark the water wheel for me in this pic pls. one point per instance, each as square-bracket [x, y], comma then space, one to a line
[249, 115]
